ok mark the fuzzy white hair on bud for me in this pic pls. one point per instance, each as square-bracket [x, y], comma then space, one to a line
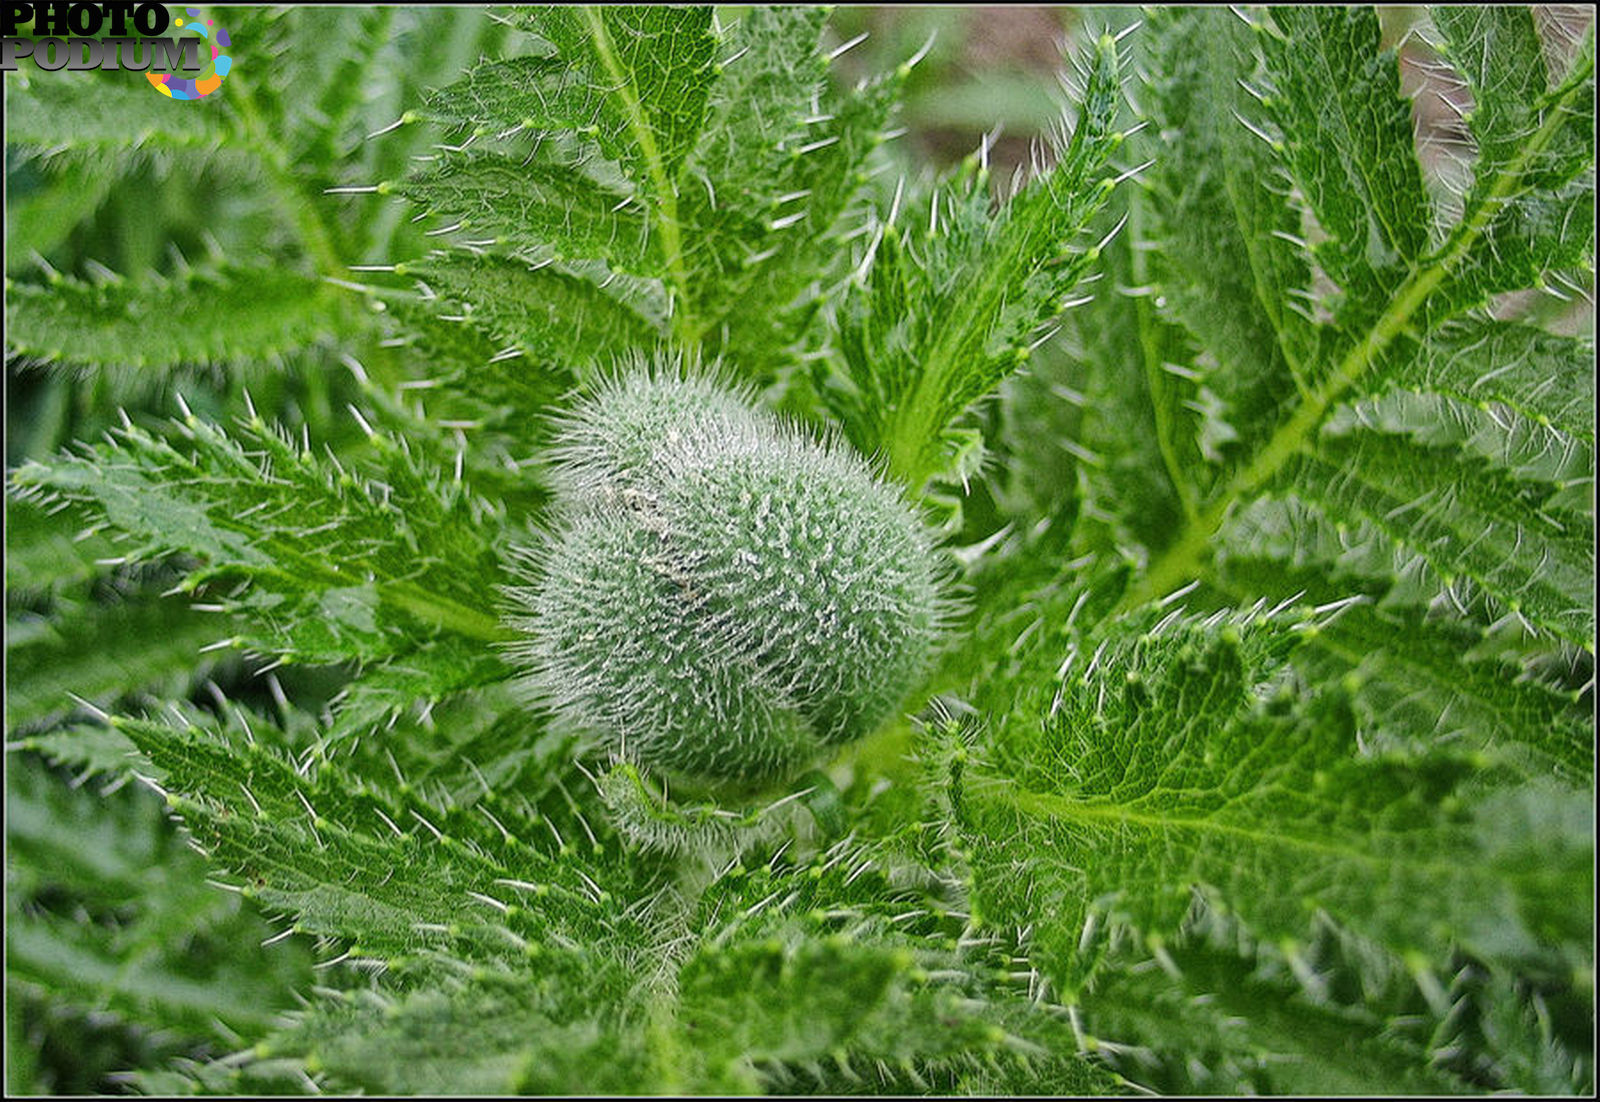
[718, 595]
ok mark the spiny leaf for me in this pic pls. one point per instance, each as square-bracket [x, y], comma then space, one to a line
[1537, 373]
[385, 570]
[1183, 761]
[1497, 50]
[431, 50]
[504, 95]
[1347, 133]
[1522, 1038]
[801, 963]
[646, 75]
[236, 313]
[789, 274]
[38, 220]
[767, 1001]
[540, 1032]
[1421, 681]
[1230, 257]
[106, 115]
[71, 960]
[101, 651]
[942, 317]
[1530, 213]
[436, 670]
[557, 318]
[1229, 1030]
[1543, 240]
[163, 949]
[784, 153]
[1464, 516]
[49, 549]
[331, 851]
[318, 90]
[757, 121]
[547, 205]
[90, 750]
[475, 748]
[1133, 390]
[412, 550]
[1402, 276]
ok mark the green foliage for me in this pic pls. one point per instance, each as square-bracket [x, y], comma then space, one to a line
[1253, 754]
[970, 291]
[1170, 759]
[338, 568]
[108, 912]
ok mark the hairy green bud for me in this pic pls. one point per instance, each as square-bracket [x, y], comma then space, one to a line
[720, 596]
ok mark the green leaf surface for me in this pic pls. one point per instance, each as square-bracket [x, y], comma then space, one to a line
[164, 949]
[646, 75]
[1230, 257]
[1234, 1030]
[784, 153]
[91, 750]
[557, 318]
[236, 313]
[1175, 764]
[1537, 373]
[49, 548]
[1496, 49]
[530, 1036]
[503, 95]
[100, 652]
[771, 284]
[1346, 143]
[919, 346]
[336, 866]
[1419, 681]
[1258, 754]
[535, 204]
[108, 113]
[1133, 388]
[1466, 517]
[39, 220]
[1347, 133]
[1532, 198]
[326, 589]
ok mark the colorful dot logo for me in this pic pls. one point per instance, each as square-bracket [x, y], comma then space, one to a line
[209, 79]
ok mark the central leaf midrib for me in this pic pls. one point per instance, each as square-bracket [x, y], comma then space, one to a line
[1058, 807]
[665, 208]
